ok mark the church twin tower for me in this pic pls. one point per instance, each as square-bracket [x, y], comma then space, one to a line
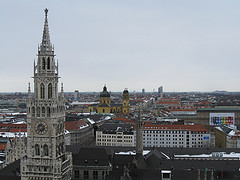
[46, 157]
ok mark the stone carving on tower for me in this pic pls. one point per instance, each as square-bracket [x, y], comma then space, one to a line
[46, 157]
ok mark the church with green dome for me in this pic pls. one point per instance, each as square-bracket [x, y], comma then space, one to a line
[105, 105]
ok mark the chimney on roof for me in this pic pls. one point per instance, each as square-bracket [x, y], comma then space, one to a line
[139, 134]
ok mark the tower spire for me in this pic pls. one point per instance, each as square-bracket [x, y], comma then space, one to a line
[46, 44]
[29, 89]
[139, 133]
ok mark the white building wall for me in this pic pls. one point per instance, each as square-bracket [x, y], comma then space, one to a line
[118, 139]
[173, 138]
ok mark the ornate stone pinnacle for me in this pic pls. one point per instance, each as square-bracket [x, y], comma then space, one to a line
[46, 11]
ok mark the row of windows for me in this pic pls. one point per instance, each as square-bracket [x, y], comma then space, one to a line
[104, 111]
[45, 152]
[162, 142]
[168, 132]
[49, 92]
[114, 144]
[105, 101]
[44, 112]
[108, 136]
[174, 139]
[44, 63]
[162, 135]
[86, 174]
[113, 140]
[174, 132]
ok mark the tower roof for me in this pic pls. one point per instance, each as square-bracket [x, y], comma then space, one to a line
[46, 44]
[125, 90]
[105, 93]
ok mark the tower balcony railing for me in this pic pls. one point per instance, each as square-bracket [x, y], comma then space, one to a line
[48, 73]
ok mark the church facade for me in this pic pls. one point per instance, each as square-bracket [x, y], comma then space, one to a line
[105, 105]
[46, 157]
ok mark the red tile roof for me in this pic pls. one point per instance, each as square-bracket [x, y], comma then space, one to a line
[75, 125]
[183, 110]
[4, 127]
[169, 102]
[123, 120]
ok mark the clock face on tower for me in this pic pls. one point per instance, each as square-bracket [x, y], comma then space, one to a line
[41, 127]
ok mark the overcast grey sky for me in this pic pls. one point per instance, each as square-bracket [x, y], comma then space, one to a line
[184, 45]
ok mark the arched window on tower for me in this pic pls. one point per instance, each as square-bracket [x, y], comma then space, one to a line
[56, 91]
[62, 147]
[45, 150]
[43, 111]
[48, 63]
[61, 128]
[37, 150]
[43, 63]
[48, 111]
[50, 90]
[38, 111]
[33, 111]
[42, 91]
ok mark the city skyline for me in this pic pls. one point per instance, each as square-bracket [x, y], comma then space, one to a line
[182, 46]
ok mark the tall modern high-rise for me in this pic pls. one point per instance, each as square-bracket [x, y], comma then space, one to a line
[76, 95]
[160, 90]
[46, 150]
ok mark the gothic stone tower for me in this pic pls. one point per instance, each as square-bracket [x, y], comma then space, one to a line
[139, 134]
[46, 157]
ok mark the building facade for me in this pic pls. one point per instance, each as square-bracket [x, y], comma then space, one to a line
[115, 135]
[175, 136]
[105, 105]
[205, 115]
[80, 132]
[16, 148]
[227, 137]
[46, 157]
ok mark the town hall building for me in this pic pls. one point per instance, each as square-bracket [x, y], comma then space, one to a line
[46, 157]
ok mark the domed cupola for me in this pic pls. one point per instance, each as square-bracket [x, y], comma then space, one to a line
[125, 91]
[105, 93]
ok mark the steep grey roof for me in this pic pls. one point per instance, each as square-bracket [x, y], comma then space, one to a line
[113, 128]
[91, 157]
[11, 172]
[225, 129]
